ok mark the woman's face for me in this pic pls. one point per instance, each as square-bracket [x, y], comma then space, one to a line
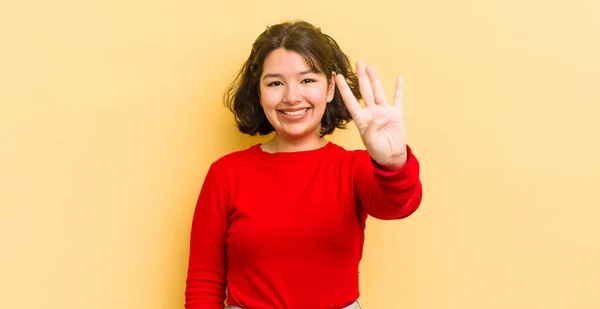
[292, 95]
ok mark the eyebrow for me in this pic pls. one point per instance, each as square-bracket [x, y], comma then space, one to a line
[269, 75]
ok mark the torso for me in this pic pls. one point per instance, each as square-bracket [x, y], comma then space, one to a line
[294, 230]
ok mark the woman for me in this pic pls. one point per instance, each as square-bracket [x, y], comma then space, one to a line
[281, 224]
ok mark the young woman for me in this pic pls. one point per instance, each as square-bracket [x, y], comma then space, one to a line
[280, 225]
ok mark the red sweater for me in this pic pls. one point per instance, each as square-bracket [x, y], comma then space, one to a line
[286, 230]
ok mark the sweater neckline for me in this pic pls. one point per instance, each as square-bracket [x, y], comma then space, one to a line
[293, 155]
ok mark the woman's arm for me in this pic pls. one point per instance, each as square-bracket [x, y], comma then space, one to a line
[386, 194]
[206, 277]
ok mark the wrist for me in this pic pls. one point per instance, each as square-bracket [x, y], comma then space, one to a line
[394, 163]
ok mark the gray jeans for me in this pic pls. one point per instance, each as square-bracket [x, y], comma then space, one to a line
[354, 305]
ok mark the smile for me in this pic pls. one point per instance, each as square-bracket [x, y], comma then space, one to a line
[295, 113]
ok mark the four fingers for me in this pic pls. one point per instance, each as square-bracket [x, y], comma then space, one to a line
[370, 87]
[373, 122]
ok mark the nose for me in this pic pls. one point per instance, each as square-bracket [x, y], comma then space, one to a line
[292, 94]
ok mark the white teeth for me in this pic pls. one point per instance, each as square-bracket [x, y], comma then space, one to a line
[296, 113]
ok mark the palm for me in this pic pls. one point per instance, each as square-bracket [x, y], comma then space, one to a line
[381, 126]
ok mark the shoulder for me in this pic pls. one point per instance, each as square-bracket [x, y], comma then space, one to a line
[348, 156]
[234, 159]
[226, 169]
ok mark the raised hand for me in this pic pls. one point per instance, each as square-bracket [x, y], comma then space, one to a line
[381, 126]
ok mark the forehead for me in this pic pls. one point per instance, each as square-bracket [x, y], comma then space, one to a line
[284, 61]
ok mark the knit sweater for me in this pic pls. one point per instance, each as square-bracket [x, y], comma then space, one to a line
[286, 230]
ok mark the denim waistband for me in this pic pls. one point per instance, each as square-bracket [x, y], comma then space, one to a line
[354, 305]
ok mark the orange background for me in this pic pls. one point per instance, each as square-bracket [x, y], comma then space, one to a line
[110, 115]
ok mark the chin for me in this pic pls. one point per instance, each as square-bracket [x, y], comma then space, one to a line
[299, 133]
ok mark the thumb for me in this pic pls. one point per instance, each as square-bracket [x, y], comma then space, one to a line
[374, 127]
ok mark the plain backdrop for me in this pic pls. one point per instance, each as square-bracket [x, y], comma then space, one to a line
[111, 112]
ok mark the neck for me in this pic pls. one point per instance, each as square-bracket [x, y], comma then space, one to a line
[280, 144]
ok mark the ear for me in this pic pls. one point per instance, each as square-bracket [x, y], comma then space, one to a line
[331, 88]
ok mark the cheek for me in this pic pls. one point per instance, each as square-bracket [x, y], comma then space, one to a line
[269, 98]
[317, 95]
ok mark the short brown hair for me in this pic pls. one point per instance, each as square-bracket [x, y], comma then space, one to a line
[321, 52]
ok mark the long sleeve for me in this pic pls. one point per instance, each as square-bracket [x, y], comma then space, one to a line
[206, 277]
[385, 194]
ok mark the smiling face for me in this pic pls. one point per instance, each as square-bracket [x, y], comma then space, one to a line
[293, 96]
